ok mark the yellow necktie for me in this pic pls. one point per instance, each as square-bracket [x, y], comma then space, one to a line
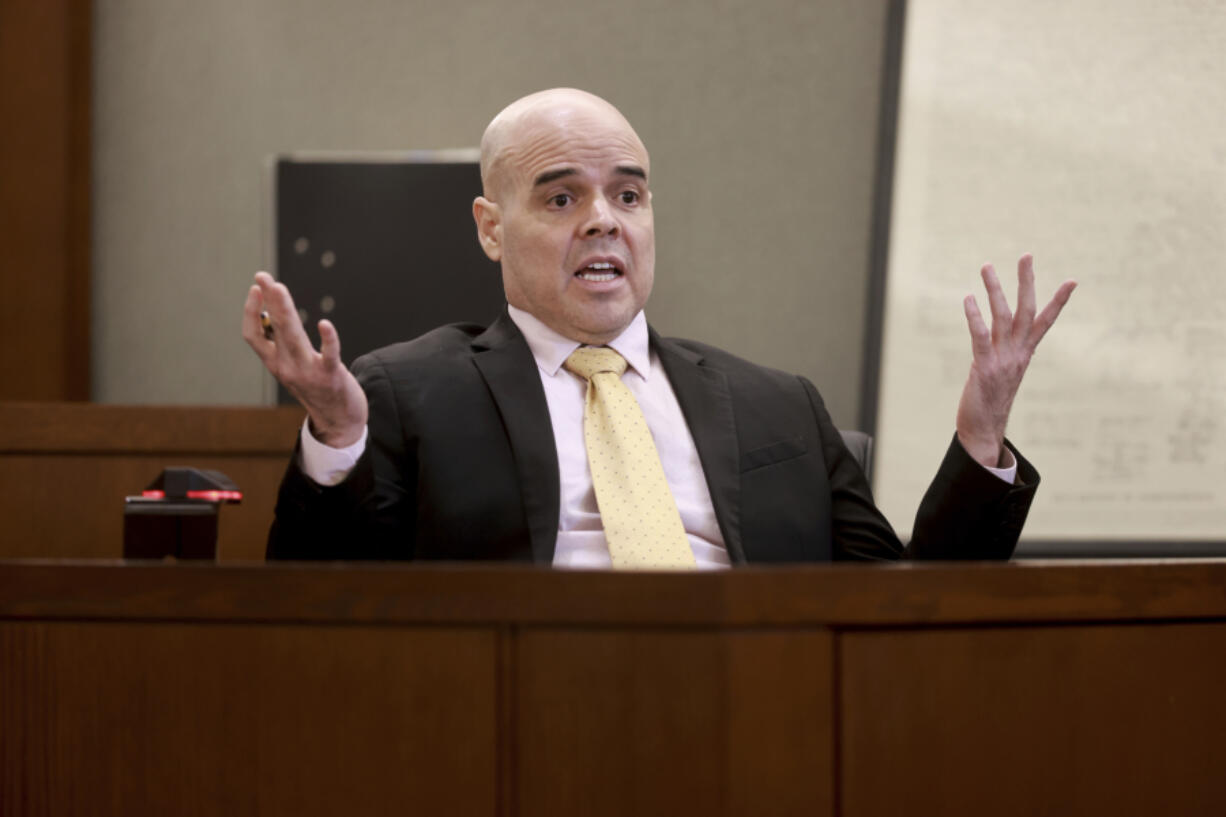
[637, 509]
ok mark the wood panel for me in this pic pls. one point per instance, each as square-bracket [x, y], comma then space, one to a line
[132, 719]
[674, 722]
[72, 506]
[175, 688]
[66, 468]
[831, 596]
[1079, 720]
[44, 198]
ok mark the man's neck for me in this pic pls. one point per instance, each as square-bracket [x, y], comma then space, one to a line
[551, 348]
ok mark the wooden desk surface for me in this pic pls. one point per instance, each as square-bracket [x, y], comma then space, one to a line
[941, 689]
[853, 595]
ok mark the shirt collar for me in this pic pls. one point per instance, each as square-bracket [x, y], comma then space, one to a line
[550, 349]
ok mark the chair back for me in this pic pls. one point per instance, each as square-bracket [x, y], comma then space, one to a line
[861, 447]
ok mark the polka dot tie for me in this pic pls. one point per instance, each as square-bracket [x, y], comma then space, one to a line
[637, 509]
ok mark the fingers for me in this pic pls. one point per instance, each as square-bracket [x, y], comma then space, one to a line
[981, 338]
[1026, 328]
[1002, 318]
[290, 339]
[1050, 312]
[251, 314]
[329, 344]
[253, 332]
[319, 380]
[1025, 295]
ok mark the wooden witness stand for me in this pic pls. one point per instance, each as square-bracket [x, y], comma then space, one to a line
[1072, 689]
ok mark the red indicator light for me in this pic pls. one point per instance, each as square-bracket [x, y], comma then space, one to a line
[153, 494]
[216, 496]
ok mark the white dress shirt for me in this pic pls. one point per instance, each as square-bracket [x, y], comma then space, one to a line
[581, 539]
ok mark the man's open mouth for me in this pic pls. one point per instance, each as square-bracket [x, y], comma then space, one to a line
[599, 271]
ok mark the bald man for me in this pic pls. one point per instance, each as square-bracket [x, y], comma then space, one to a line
[468, 442]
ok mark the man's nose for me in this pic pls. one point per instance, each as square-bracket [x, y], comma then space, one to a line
[600, 219]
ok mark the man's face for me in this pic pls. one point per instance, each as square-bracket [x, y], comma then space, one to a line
[574, 231]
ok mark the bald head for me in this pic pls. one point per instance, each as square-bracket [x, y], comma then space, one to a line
[508, 142]
[567, 213]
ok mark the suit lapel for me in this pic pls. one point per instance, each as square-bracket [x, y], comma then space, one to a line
[505, 361]
[707, 405]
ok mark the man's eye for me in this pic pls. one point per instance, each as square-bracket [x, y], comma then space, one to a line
[560, 200]
[629, 197]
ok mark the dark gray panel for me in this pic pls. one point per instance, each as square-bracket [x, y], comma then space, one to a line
[391, 244]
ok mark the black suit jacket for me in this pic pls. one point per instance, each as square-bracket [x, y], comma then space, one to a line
[461, 464]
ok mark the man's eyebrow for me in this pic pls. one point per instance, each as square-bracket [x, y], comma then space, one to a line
[553, 175]
[561, 173]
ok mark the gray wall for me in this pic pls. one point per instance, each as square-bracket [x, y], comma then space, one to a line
[761, 120]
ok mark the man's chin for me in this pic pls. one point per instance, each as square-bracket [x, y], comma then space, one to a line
[598, 333]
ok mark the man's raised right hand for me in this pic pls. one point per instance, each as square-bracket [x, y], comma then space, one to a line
[319, 380]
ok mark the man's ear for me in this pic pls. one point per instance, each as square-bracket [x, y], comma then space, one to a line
[488, 216]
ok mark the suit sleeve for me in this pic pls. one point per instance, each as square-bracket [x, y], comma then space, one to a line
[969, 513]
[369, 515]
[859, 531]
[966, 513]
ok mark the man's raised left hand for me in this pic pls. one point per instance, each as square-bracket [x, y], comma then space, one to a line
[1000, 358]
